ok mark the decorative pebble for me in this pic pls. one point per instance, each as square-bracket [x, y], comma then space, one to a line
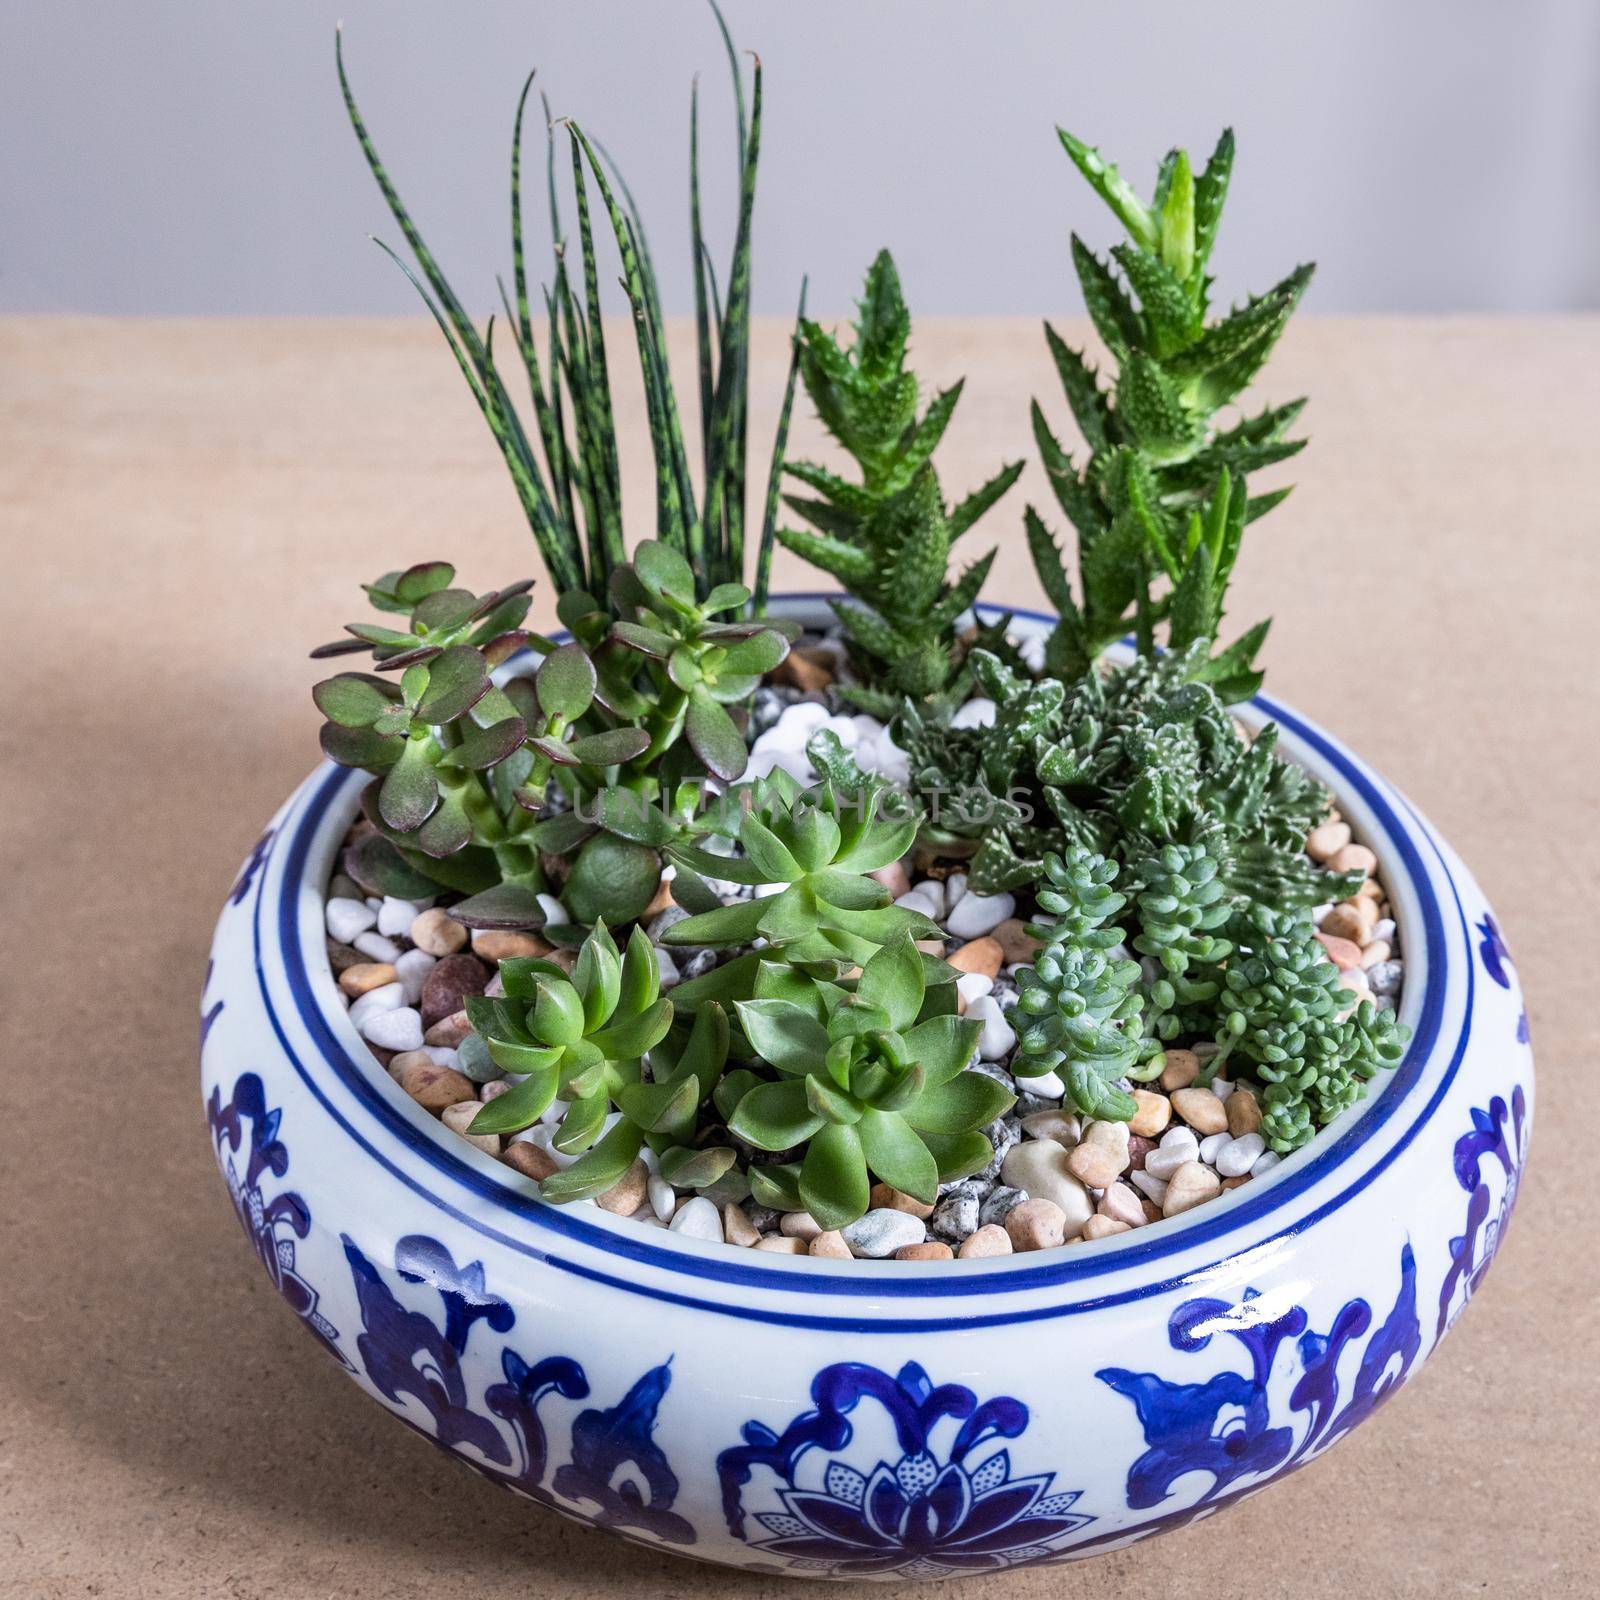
[1385, 977]
[1044, 1086]
[1327, 839]
[1181, 1069]
[397, 1029]
[663, 1197]
[1102, 1157]
[1177, 1147]
[934, 892]
[1343, 953]
[530, 1160]
[1376, 953]
[448, 986]
[978, 956]
[1265, 1163]
[830, 1242]
[396, 916]
[505, 944]
[1037, 1224]
[998, 1037]
[1384, 928]
[1152, 1187]
[1348, 922]
[955, 1218]
[449, 1031]
[1240, 1155]
[1099, 1227]
[1040, 1166]
[1121, 1204]
[412, 970]
[1191, 1185]
[1244, 1112]
[365, 976]
[977, 914]
[997, 1204]
[1062, 1126]
[437, 932]
[1153, 1114]
[917, 900]
[799, 1225]
[885, 1194]
[434, 1088]
[1200, 1109]
[1212, 1145]
[376, 948]
[666, 966]
[697, 1218]
[882, 1231]
[928, 1250]
[627, 1194]
[894, 878]
[779, 1244]
[737, 1228]
[1017, 945]
[1352, 858]
[457, 1117]
[989, 1240]
[346, 919]
[973, 986]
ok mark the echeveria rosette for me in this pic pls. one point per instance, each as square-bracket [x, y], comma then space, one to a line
[828, 910]
[867, 1088]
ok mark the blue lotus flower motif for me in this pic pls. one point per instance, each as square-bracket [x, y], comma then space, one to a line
[1499, 1132]
[924, 1514]
[1492, 947]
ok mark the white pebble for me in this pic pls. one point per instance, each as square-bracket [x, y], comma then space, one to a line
[555, 914]
[1176, 1148]
[1031, 648]
[977, 914]
[1147, 1185]
[399, 1029]
[1048, 1085]
[396, 916]
[1265, 1163]
[385, 998]
[411, 967]
[663, 1197]
[932, 889]
[917, 900]
[954, 887]
[1221, 1088]
[347, 918]
[883, 1231]
[667, 967]
[439, 1055]
[540, 1137]
[973, 985]
[1240, 1155]
[1319, 912]
[978, 712]
[1212, 1146]
[375, 947]
[998, 1038]
[697, 1218]
[1383, 929]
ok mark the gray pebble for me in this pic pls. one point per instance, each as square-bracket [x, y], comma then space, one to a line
[762, 1218]
[698, 965]
[999, 1074]
[1000, 1205]
[955, 1219]
[660, 925]
[1002, 1133]
[882, 1231]
[767, 706]
[1384, 977]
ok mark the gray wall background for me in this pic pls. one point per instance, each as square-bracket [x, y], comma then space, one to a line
[177, 156]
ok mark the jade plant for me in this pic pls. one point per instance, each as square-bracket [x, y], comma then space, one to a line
[888, 537]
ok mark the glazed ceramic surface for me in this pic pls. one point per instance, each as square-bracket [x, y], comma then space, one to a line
[883, 1419]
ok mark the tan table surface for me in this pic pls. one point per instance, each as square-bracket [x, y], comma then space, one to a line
[185, 508]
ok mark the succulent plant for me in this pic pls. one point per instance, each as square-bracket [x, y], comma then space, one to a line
[566, 466]
[1079, 899]
[1162, 492]
[868, 1082]
[889, 537]
[1181, 904]
[814, 858]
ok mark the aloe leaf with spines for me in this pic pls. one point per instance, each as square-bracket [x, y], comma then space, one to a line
[1161, 496]
[888, 537]
[869, 1085]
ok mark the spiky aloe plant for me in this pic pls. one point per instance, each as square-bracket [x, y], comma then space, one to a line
[888, 538]
[566, 467]
[1162, 491]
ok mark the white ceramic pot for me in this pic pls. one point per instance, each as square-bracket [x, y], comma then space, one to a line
[883, 1419]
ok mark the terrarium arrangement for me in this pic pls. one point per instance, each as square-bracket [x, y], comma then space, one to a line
[905, 936]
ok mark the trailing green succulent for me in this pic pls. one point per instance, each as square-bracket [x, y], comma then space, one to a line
[871, 1081]
[887, 538]
[583, 1041]
[1162, 491]
[566, 467]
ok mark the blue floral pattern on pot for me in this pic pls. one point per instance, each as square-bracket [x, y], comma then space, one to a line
[1497, 963]
[245, 1128]
[1503, 1134]
[931, 1511]
[617, 1477]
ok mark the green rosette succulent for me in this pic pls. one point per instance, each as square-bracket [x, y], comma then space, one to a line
[870, 1084]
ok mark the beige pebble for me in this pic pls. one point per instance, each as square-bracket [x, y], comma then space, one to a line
[1152, 1212]
[1037, 1224]
[830, 1242]
[1343, 953]
[365, 975]
[886, 1196]
[1153, 1115]
[1191, 1185]
[806, 670]
[1352, 858]
[500, 944]
[1327, 839]
[1376, 953]
[1236, 1183]
[493, 1091]
[449, 1031]
[931, 947]
[1182, 1068]
[1121, 1204]
[1096, 1163]
[1355, 980]
[459, 1115]
[1102, 1227]
[1244, 1113]
[979, 955]
[1062, 1126]
[737, 1228]
[1016, 943]
[403, 1061]
[1371, 891]
[928, 1250]
[660, 901]
[894, 878]
[530, 1160]
[799, 1225]
[1201, 1109]
[1347, 922]
[781, 1244]
[434, 1088]
[990, 1240]
[438, 933]
[626, 1195]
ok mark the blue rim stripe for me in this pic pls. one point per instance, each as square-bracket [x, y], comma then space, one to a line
[935, 1283]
